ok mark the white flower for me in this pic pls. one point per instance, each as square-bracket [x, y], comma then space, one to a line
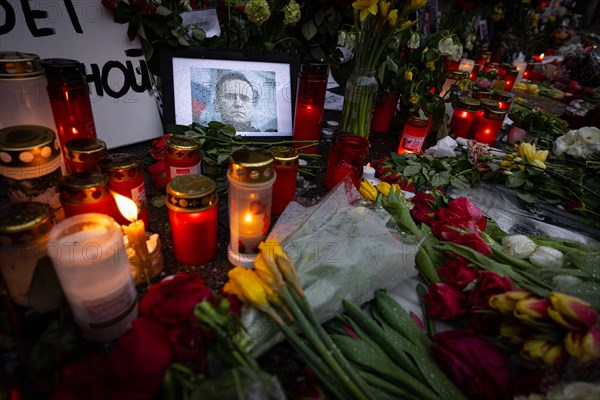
[547, 257]
[560, 146]
[574, 391]
[291, 13]
[577, 150]
[342, 38]
[519, 246]
[258, 11]
[445, 46]
[565, 280]
[414, 41]
[590, 135]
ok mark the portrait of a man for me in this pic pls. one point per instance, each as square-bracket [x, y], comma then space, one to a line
[244, 99]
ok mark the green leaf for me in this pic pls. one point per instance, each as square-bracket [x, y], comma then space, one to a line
[309, 29]
[440, 179]
[411, 170]
[527, 197]
[161, 10]
[458, 183]
[319, 16]
[515, 180]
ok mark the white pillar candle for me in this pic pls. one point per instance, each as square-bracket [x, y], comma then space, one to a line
[466, 65]
[521, 66]
[89, 257]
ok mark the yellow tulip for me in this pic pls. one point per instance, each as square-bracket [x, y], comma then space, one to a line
[365, 7]
[533, 156]
[430, 65]
[585, 346]
[367, 190]
[408, 75]
[414, 98]
[393, 17]
[544, 351]
[417, 4]
[383, 188]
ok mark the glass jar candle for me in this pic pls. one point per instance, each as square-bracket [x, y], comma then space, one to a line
[503, 98]
[452, 78]
[182, 156]
[510, 77]
[88, 254]
[83, 154]
[487, 128]
[527, 72]
[30, 163]
[466, 65]
[192, 203]
[492, 66]
[464, 116]
[414, 134]
[24, 233]
[70, 99]
[520, 66]
[474, 73]
[485, 104]
[482, 94]
[484, 58]
[126, 177]
[286, 170]
[86, 192]
[346, 157]
[251, 176]
[310, 100]
[23, 91]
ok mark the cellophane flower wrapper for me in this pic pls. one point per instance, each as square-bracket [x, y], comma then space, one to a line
[341, 251]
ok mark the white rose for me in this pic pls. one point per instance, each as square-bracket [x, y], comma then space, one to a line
[518, 246]
[445, 46]
[547, 257]
[560, 146]
[577, 150]
[457, 52]
[342, 38]
[414, 41]
[571, 137]
[590, 135]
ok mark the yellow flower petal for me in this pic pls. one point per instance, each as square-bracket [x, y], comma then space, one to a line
[541, 155]
[538, 163]
[393, 17]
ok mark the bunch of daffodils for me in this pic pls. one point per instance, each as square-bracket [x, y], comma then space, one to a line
[526, 154]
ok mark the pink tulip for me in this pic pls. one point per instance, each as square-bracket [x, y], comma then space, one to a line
[571, 312]
[532, 308]
[584, 346]
[505, 302]
[544, 351]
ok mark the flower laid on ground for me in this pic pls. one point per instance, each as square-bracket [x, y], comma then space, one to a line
[578, 142]
[526, 154]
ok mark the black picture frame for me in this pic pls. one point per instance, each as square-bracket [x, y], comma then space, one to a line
[189, 81]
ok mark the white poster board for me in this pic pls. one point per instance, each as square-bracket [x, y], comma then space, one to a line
[125, 111]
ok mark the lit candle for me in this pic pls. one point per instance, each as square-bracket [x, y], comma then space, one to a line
[310, 101]
[369, 174]
[521, 66]
[488, 127]
[466, 65]
[286, 170]
[91, 263]
[135, 232]
[414, 133]
[464, 116]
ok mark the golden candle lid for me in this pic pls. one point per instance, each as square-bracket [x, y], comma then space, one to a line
[83, 187]
[509, 68]
[119, 162]
[456, 75]
[23, 223]
[251, 165]
[191, 193]
[16, 65]
[492, 65]
[27, 146]
[468, 104]
[488, 103]
[85, 150]
[502, 95]
[495, 114]
[416, 121]
[178, 146]
[284, 156]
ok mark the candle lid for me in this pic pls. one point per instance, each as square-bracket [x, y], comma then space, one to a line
[285, 156]
[251, 165]
[456, 75]
[85, 150]
[27, 145]
[416, 121]
[333, 125]
[16, 65]
[178, 146]
[495, 114]
[492, 65]
[488, 103]
[483, 93]
[468, 104]
[121, 167]
[191, 193]
[83, 187]
[23, 223]
[502, 95]
[315, 68]
[60, 71]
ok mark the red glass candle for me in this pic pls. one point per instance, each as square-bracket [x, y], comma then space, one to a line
[310, 99]
[484, 58]
[464, 116]
[503, 98]
[474, 72]
[492, 66]
[527, 72]
[346, 157]
[192, 203]
[483, 94]
[182, 156]
[83, 154]
[510, 77]
[536, 72]
[126, 177]
[383, 115]
[485, 104]
[487, 128]
[70, 99]
[286, 173]
[414, 134]
[86, 192]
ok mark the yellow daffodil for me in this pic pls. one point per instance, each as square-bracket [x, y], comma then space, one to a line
[533, 156]
[384, 6]
[408, 75]
[366, 7]
[393, 17]
[247, 286]
[430, 65]
[272, 251]
[414, 98]
[417, 5]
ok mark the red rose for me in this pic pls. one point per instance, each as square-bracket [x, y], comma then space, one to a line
[424, 208]
[457, 272]
[146, 7]
[186, 341]
[476, 366]
[158, 147]
[110, 4]
[489, 284]
[484, 323]
[445, 301]
[158, 173]
[172, 301]
[453, 232]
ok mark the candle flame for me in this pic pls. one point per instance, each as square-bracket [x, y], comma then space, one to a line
[464, 114]
[542, 56]
[248, 217]
[74, 130]
[368, 165]
[126, 206]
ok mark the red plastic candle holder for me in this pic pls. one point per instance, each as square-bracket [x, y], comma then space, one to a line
[383, 114]
[286, 173]
[182, 156]
[464, 117]
[487, 128]
[192, 203]
[86, 192]
[346, 156]
[126, 177]
[310, 99]
[503, 98]
[484, 58]
[83, 154]
[510, 76]
[414, 133]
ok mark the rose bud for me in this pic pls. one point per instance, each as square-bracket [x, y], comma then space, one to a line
[515, 331]
[571, 312]
[584, 346]
[505, 302]
[544, 351]
[445, 301]
[547, 257]
[531, 308]
[518, 246]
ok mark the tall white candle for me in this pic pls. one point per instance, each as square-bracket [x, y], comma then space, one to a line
[90, 260]
[521, 66]
[466, 65]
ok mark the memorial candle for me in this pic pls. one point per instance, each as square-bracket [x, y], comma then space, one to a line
[488, 127]
[414, 134]
[464, 116]
[135, 231]
[310, 100]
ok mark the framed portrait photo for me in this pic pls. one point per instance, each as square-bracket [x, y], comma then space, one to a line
[254, 91]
